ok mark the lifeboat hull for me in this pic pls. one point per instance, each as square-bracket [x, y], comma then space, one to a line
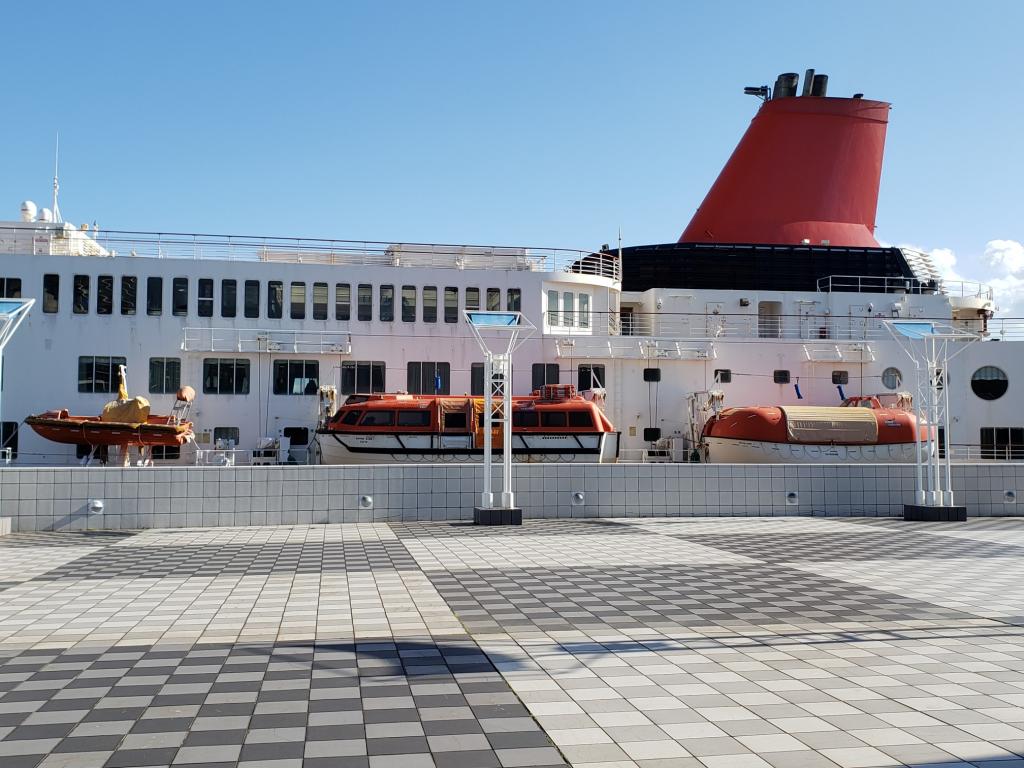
[60, 427]
[738, 451]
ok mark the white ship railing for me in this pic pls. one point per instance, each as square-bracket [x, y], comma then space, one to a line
[905, 285]
[261, 340]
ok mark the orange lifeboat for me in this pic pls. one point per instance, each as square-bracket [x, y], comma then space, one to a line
[862, 430]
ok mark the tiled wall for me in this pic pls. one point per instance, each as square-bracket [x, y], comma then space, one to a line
[59, 499]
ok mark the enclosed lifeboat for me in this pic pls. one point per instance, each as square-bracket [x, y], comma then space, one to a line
[861, 430]
[553, 424]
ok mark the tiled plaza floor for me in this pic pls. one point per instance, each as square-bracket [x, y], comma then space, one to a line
[642, 643]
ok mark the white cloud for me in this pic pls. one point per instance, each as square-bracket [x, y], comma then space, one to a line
[1006, 255]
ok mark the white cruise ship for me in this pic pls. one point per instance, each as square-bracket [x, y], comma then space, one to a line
[776, 294]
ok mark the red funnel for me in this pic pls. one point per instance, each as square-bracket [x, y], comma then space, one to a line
[807, 168]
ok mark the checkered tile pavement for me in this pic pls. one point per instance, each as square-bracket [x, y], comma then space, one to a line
[683, 643]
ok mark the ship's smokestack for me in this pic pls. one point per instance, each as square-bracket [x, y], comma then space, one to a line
[806, 170]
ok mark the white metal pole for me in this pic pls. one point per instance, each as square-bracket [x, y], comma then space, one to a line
[487, 497]
[921, 422]
[507, 496]
[945, 433]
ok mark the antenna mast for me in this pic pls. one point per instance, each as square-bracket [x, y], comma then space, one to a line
[56, 185]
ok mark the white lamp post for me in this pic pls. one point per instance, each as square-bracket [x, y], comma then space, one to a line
[499, 334]
[12, 313]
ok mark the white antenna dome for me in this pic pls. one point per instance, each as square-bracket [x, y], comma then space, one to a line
[28, 211]
[46, 215]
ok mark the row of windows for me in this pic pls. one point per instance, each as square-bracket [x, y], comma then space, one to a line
[410, 296]
[568, 309]
[457, 421]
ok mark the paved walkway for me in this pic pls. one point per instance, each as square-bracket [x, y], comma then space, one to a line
[669, 643]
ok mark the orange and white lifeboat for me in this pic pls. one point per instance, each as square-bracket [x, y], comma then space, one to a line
[861, 430]
[553, 424]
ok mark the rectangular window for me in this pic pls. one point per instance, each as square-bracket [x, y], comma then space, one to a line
[364, 301]
[298, 301]
[430, 304]
[590, 377]
[275, 299]
[840, 377]
[342, 301]
[476, 379]
[472, 298]
[228, 298]
[99, 374]
[80, 303]
[525, 419]
[204, 300]
[225, 376]
[583, 311]
[723, 376]
[553, 316]
[154, 295]
[780, 377]
[164, 375]
[451, 305]
[417, 418]
[387, 303]
[252, 298]
[362, 377]
[105, 295]
[166, 452]
[10, 287]
[569, 308]
[296, 377]
[428, 378]
[581, 419]
[514, 300]
[129, 294]
[299, 436]
[225, 438]
[51, 293]
[408, 303]
[544, 373]
[552, 419]
[1003, 443]
[179, 297]
[319, 301]
[494, 299]
[9, 435]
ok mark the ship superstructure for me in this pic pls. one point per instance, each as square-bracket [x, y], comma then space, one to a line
[777, 294]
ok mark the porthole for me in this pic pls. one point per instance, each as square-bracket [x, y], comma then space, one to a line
[989, 382]
[892, 378]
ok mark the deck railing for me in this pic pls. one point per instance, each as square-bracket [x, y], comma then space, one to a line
[906, 285]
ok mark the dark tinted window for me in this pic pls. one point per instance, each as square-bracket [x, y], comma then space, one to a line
[298, 436]
[365, 303]
[351, 417]
[298, 301]
[179, 296]
[362, 376]
[9, 437]
[228, 298]
[80, 297]
[544, 373]
[154, 295]
[296, 377]
[455, 420]
[590, 377]
[552, 419]
[105, 294]
[781, 377]
[387, 303]
[430, 304]
[252, 298]
[342, 301]
[10, 287]
[580, 419]
[420, 418]
[204, 293]
[275, 299]
[319, 301]
[51, 293]
[225, 376]
[472, 298]
[378, 419]
[129, 294]
[428, 378]
[723, 375]
[451, 305]
[476, 379]
[840, 377]
[408, 303]
[164, 375]
[514, 301]
[494, 299]
[99, 374]
[525, 419]
[989, 382]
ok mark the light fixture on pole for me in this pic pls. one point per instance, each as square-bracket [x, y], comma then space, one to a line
[499, 334]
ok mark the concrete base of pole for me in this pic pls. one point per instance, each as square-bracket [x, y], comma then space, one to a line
[497, 516]
[5, 526]
[926, 513]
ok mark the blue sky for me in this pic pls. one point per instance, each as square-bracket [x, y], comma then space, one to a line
[518, 123]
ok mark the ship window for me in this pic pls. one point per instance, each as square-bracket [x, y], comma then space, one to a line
[363, 377]
[451, 305]
[780, 377]
[723, 376]
[476, 379]
[275, 299]
[494, 299]
[296, 377]
[552, 418]
[105, 295]
[365, 302]
[10, 287]
[430, 304]
[179, 296]
[1006, 443]
[80, 304]
[51, 293]
[387, 303]
[129, 293]
[228, 298]
[165, 452]
[514, 300]
[164, 375]
[99, 374]
[569, 308]
[544, 373]
[472, 298]
[892, 378]
[989, 382]
[225, 376]
[455, 420]
[580, 419]
[204, 297]
[154, 295]
[225, 438]
[9, 437]
[378, 419]
[417, 418]
[590, 377]
[298, 301]
[252, 298]
[319, 301]
[583, 313]
[840, 377]
[342, 301]
[526, 419]
[428, 378]
[351, 417]
[408, 303]
[299, 436]
[553, 315]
